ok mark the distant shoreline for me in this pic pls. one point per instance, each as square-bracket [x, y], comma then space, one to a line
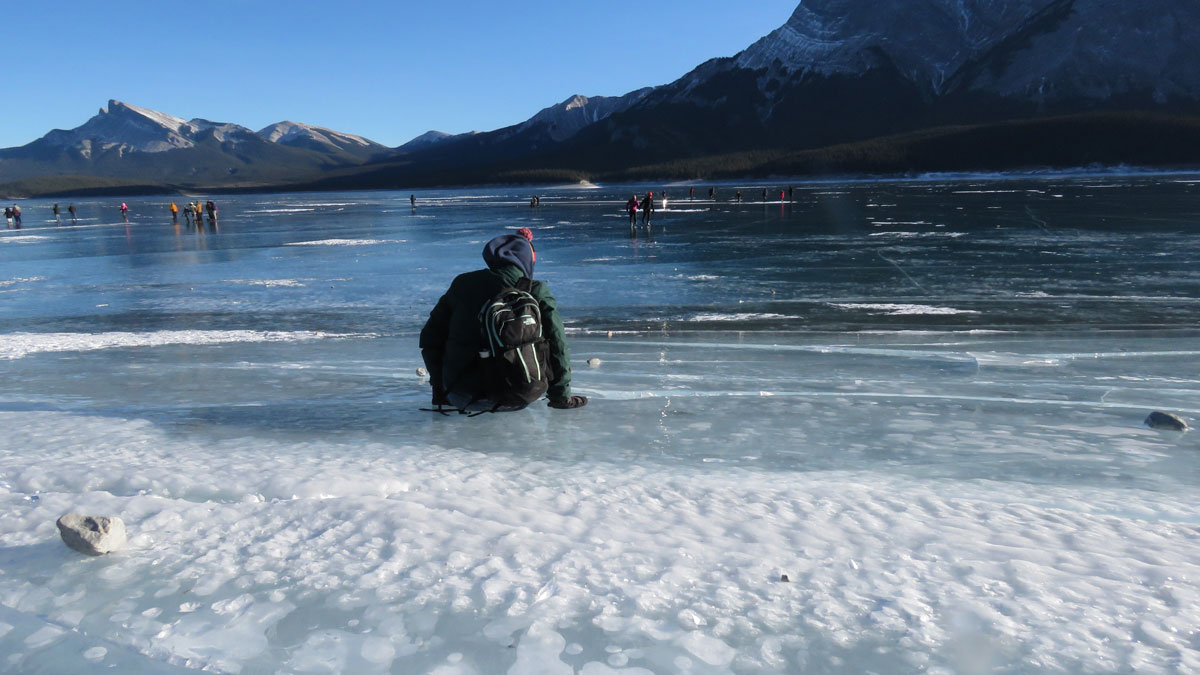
[1094, 143]
[776, 181]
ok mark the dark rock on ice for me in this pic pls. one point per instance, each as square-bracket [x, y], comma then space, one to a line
[93, 535]
[1162, 420]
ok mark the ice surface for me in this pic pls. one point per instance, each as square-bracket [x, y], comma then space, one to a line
[938, 440]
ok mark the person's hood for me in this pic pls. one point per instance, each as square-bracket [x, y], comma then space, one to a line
[510, 249]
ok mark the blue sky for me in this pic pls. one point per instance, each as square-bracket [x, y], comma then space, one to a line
[385, 70]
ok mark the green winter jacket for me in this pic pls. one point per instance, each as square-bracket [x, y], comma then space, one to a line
[451, 339]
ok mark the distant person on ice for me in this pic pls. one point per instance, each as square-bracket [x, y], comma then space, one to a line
[632, 206]
[57, 214]
[16, 214]
[71, 210]
[124, 211]
[647, 208]
[174, 212]
[456, 348]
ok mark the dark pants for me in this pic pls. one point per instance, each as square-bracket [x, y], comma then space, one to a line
[469, 403]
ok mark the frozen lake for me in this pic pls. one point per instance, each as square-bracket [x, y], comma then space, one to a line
[921, 401]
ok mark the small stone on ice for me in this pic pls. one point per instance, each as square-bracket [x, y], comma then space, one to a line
[93, 535]
[594, 362]
[784, 578]
[421, 372]
[1162, 420]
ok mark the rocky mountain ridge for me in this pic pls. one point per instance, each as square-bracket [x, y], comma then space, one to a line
[837, 72]
[131, 142]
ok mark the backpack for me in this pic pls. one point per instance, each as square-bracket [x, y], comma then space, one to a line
[516, 357]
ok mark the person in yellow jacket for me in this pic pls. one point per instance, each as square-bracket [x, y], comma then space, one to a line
[174, 212]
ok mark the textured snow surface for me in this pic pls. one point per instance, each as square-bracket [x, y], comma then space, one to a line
[937, 439]
[360, 558]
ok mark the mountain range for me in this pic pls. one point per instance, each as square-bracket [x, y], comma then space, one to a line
[844, 85]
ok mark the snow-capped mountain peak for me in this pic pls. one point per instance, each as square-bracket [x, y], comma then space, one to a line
[171, 122]
[128, 127]
[314, 137]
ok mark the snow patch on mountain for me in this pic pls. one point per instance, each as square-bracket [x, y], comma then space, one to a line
[163, 119]
[296, 133]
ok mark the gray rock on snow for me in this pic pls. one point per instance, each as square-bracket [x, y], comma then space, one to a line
[93, 535]
[1168, 421]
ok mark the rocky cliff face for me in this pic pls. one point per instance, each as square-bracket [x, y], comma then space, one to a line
[562, 121]
[843, 70]
[1039, 49]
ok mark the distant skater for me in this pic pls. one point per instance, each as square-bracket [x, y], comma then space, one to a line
[691, 193]
[212, 212]
[712, 193]
[71, 210]
[790, 189]
[174, 212]
[412, 201]
[737, 196]
[781, 195]
[16, 214]
[124, 212]
[664, 207]
[8, 215]
[647, 208]
[199, 213]
[632, 206]
[764, 194]
[57, 214]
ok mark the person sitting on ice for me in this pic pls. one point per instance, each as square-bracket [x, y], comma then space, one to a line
[453, 342]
